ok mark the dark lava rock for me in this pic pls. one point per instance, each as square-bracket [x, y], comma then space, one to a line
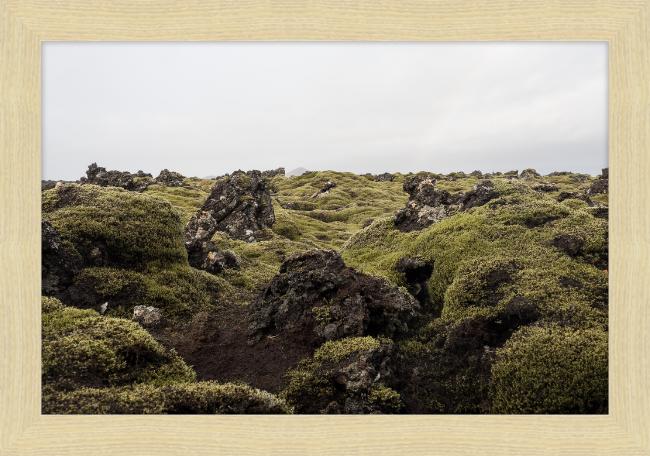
[511, 175]
[141, 173]
[271, 173]
[239, 205]
[417, 274]
[168, 178]
[97, 175]
[428, 205]
[545, 187]
[316, 295]
[600, 185]
[386, 177]
[58, 268]
[368, 223]
[559, 173]
[568, 195]
[202, 253]
[325, 189]
[353, 380]
[477, 174]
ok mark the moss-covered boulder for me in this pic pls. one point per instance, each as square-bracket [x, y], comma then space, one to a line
[132, 253]
[82, 348]
[350, 376]
[114, 227]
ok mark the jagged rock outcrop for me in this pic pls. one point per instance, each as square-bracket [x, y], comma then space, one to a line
[58, 268]
[325, 189]
[239, 205]
[600, 185]
[417, 274]
[273, 172]
[168, 178]
[202, 253]
[317, 298]
[97, 175]
[477, 174]
[386, 177]
[428, 205]
[141, 173]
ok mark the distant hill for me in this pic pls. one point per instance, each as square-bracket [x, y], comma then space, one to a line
[296, 172]
[209, 177]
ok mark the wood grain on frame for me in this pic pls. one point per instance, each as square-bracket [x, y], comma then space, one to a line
[625, 24]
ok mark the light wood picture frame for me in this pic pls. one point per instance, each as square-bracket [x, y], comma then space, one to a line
[624, 24]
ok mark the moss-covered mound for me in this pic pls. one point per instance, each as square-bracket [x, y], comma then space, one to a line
[551, 369]
[133, 253]
[112, 226]
[189, 398]
[82, 348]
[178, 291]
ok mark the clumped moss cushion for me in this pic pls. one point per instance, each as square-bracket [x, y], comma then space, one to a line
[551, 370]
[82, 348]
[126, 228]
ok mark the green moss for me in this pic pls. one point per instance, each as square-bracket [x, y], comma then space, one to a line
[386, 398]
[80, 347]
[322, 315]
[284, 223]
[551, 370]
[178, 291]
[243, 181]
[337, 351]
[604, 198]
[467, 247]
[303, 382]
[188, 398]
[186, 201]
[329, 220]
[222, 240]
[138, 229]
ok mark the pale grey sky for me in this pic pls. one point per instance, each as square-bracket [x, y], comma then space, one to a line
[212, 108]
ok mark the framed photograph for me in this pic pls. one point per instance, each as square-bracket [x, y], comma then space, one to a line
[223, 250]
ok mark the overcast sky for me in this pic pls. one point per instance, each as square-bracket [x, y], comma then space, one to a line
[212, 108]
